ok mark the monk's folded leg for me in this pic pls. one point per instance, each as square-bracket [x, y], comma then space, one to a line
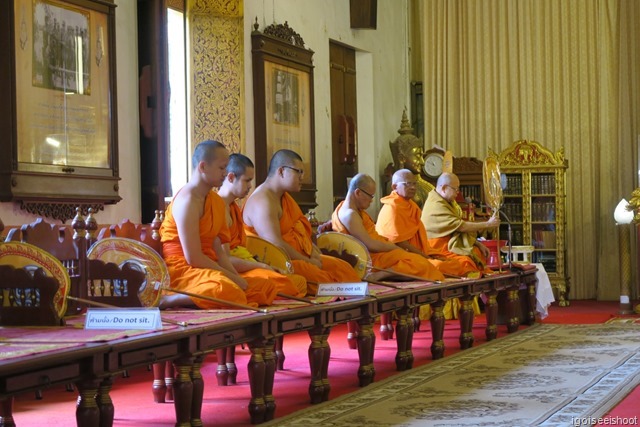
[282, 283]
[334, 270]
[261, 290]
[407, 263]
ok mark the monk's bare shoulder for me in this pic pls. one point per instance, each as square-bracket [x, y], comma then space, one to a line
[261, 203]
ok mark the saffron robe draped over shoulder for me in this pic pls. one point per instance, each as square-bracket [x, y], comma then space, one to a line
[296, 231]
[399, 260]
[442, 220]
[400, 220]
[207, 281]
[292, 284]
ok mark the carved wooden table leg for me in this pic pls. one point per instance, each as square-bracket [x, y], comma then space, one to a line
[105, 404]
[280, 353]
[416, 319]
[183, 391]
[352, 334]
[466, 322]
[222, 373]
[169, 375]
[437, 330]
[366, 346]
[6, 412]
[269, 377]
[159, 387]
[491, 311]
[513, 302]
[198, 392]
[402, 336]
[87, 411]
[256, 369]
[326, 356]
[317, 363]
[231, 364]
[385, 319]
[531, 303]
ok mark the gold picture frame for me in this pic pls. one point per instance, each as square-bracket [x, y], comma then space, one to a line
[283, 103]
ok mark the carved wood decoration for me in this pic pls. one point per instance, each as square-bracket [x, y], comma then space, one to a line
[216, 69]
[59, 211]
[283, 103]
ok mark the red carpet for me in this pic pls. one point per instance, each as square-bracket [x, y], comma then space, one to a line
[227, 406]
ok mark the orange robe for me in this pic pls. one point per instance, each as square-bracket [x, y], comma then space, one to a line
[292, 284]
[296, 231]
[206, 281]
[398, 259]
[442, 221]
[399, 221]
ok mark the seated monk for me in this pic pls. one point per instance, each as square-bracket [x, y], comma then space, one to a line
[192, 234]
[237, 184]
[399, 221]
[351, 218]
[271, 213]
[448, 233]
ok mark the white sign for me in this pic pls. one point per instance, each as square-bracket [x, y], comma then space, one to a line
[123, 318]
[358, 289]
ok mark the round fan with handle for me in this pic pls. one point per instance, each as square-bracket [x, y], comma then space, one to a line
[492, 184]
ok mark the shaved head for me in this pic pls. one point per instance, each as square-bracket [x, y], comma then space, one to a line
[402, 175]
[206, 151]
[238, 164]
[359, 181]
[282, 158]
[447, 179]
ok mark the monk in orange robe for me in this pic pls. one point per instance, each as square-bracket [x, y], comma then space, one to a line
[193, 233]
[271, 213]
[448, 233]
[237, 184]
[351, 218]
[400, 222]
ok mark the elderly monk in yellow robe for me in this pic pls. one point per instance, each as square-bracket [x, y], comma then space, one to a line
[351, 218]
[192, 235]
[400, 221]
[271, 213]
[237, 184]
[448, 233]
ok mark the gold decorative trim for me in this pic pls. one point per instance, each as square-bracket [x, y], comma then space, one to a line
[59, 211]
[529, 153]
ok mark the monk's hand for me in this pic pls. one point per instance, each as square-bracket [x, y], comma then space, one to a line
[494, 221]
[483, 249]
[266, 267]
[315, 257]
[240, 281]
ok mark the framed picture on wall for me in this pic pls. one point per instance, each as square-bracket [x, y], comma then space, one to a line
[283, 103]
[61, 68]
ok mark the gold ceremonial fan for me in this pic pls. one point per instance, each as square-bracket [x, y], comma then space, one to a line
[492, 184]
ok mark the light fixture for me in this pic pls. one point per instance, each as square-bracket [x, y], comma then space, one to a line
[621, 214]
[623, 219]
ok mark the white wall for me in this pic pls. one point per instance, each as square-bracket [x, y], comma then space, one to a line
[128, 127]
[382, 73]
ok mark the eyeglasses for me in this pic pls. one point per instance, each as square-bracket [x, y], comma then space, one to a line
[456, 189]
[368, 194]
[408, 183]
[300, 172]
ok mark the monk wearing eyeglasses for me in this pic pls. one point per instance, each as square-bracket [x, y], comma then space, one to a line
[448, 233]
[271, 213]
[350, 217]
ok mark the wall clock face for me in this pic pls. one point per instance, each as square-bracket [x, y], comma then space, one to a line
[433, 165]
